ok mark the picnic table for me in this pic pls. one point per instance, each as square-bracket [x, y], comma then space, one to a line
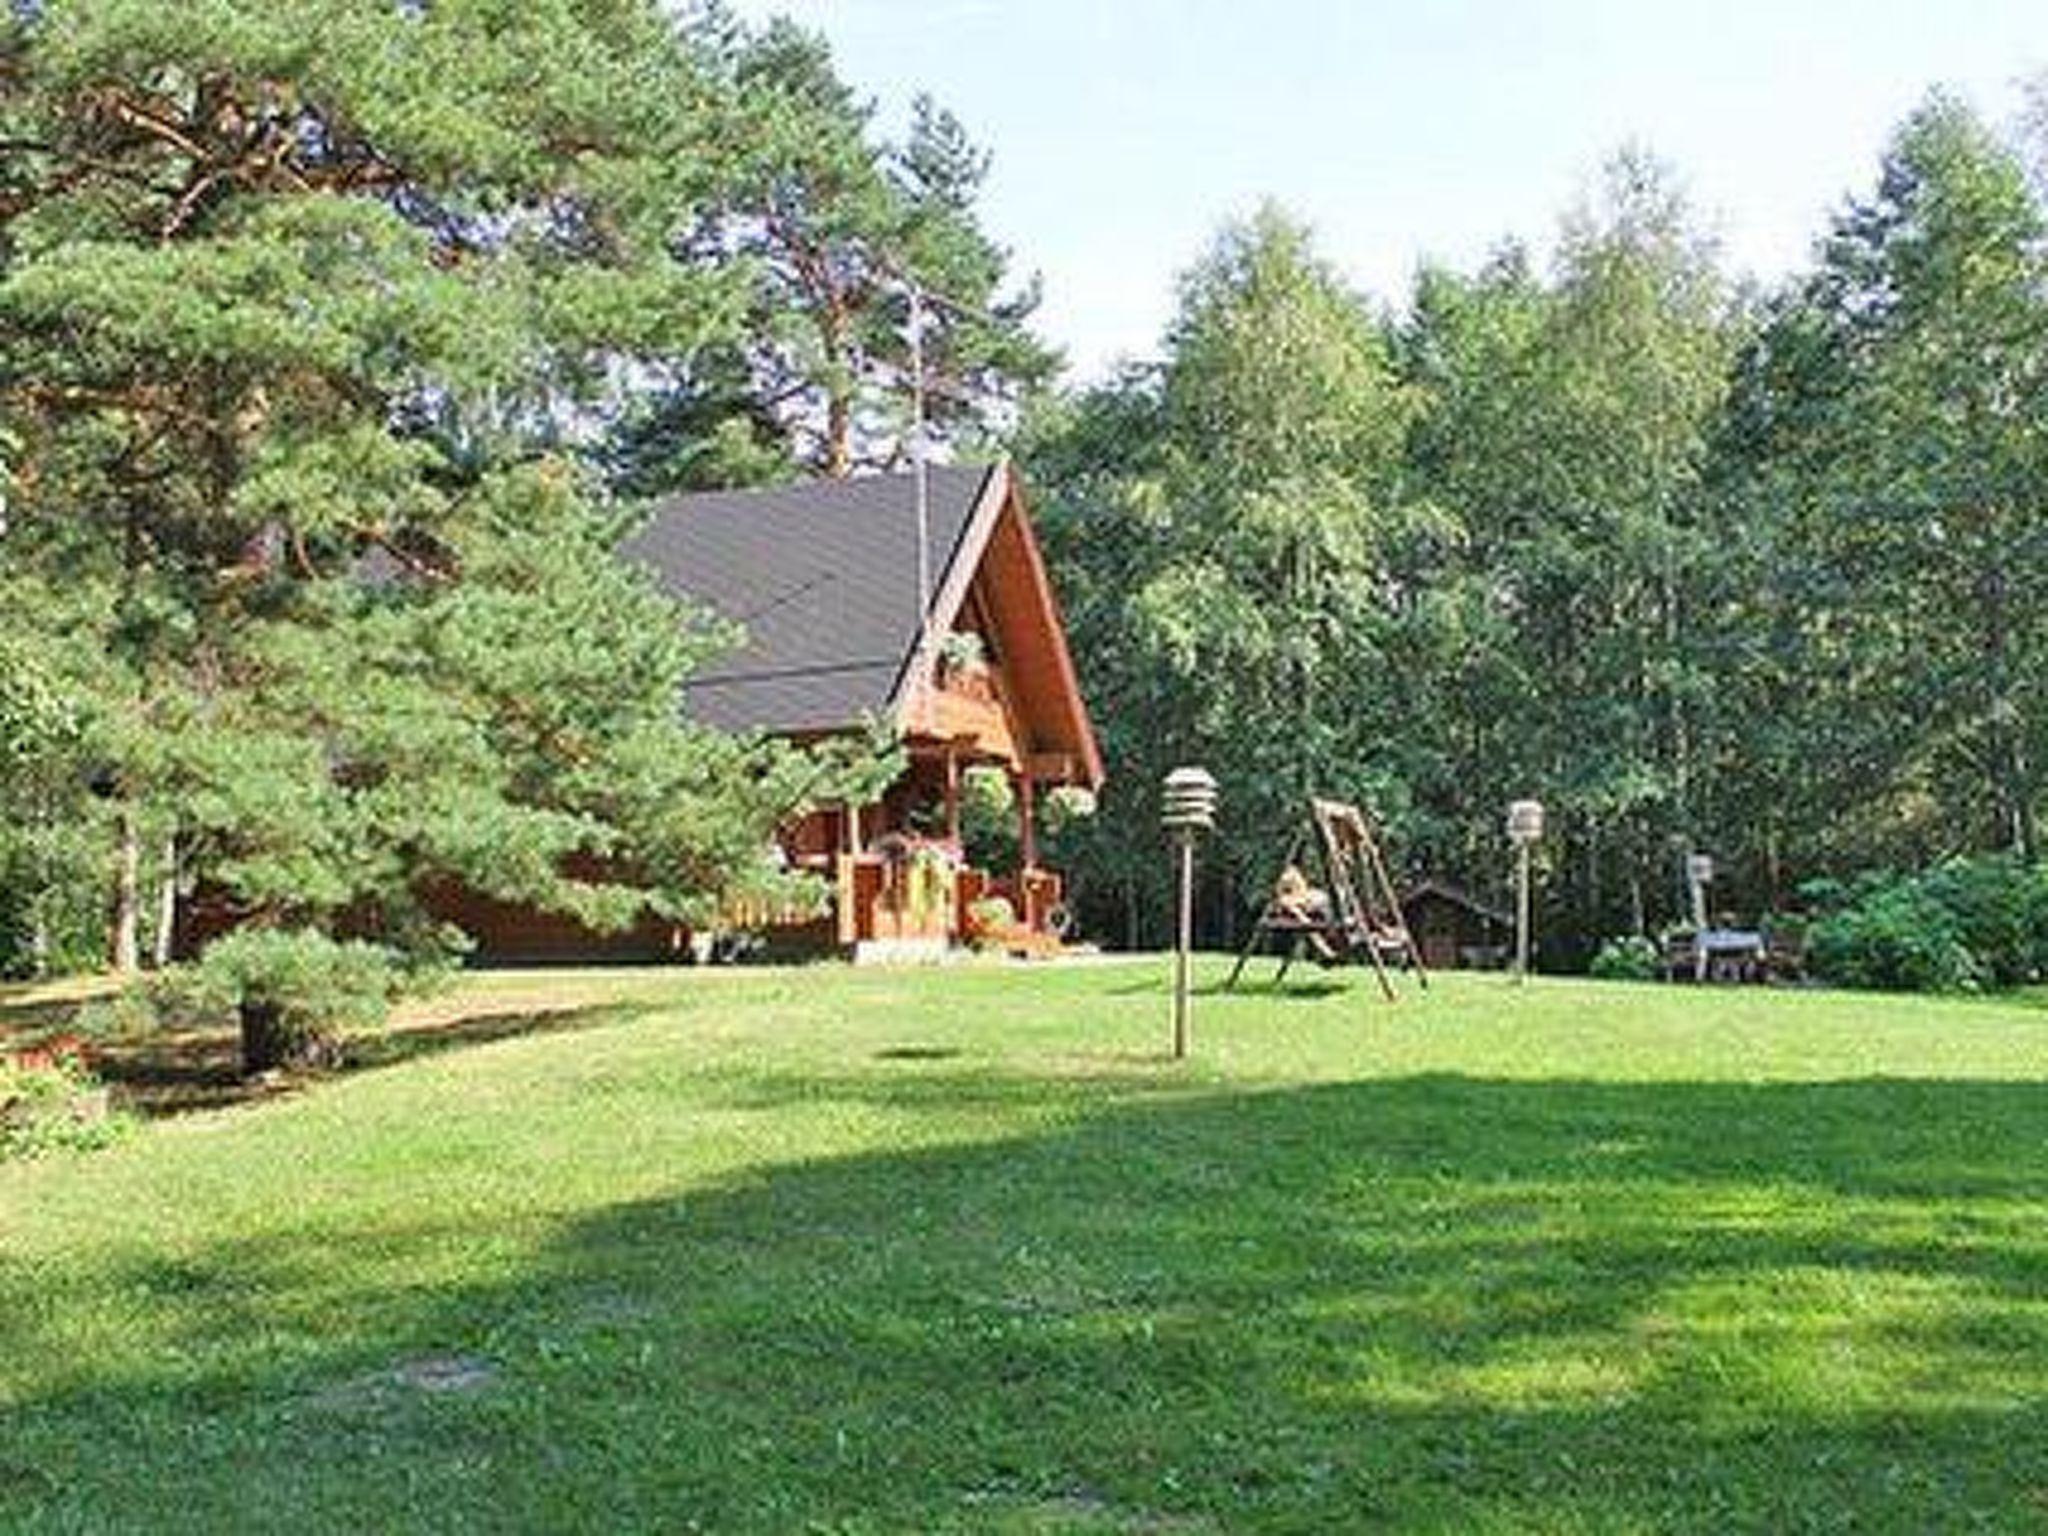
[1718, 954]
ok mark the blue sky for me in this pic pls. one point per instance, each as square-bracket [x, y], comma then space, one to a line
[1124, 131]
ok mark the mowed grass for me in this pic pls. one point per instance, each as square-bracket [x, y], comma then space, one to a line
[928, 1251]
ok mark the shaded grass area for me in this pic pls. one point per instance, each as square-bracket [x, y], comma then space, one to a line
[179, 1071]
[960, 1252]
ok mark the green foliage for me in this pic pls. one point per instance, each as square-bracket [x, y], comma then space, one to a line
[1897, 939]
[1632, 957]
[1430, 568]
[1615, 534]
[988, 817]
[1231, 539]
[51, 840]
[1963, 925]
[1883, 451]
[299, 341]
[1566, 431]
[1066, 804]
[52, 1103]
[307, 990]
[834, 226]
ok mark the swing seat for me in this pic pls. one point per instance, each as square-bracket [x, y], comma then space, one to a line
[1334, 922]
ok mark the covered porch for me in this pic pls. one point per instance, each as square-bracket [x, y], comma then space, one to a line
[910, 869]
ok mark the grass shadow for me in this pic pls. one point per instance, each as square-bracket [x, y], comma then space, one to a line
[1432, 1303]
[1313, 986]
[189, 1071]
[28, 1010]
[410, 1041]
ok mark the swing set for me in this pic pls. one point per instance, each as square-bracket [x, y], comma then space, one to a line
[1352, 917]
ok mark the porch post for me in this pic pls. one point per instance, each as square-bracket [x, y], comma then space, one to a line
[952, 795]
[1027, 852]
[1027, 823]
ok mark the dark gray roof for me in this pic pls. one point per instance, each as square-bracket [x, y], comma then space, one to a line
[1458, 896]
[823, 576]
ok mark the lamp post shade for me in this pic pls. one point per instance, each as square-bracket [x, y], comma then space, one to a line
[1189, 800]
[1525, 830]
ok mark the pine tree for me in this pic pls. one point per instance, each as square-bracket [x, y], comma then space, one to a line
[837, 226]
[302, 305]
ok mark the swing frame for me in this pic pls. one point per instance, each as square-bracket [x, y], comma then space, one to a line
[1364, 918]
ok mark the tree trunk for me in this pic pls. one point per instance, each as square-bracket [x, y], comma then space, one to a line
[838, 437]
[39, 937]
[264, 1045]
[167, 904]
[269, 1045]
[2010, 793]
[127, 943]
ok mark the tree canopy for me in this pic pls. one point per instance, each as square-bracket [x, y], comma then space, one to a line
[306, 311]
[340, 344]
[1700, 566]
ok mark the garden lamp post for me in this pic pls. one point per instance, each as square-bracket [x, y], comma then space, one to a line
[1699, 874]
[1525, 830]
[1187, 809]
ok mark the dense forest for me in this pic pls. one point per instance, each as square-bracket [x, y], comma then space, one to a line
[1763, 573]
[341, 341]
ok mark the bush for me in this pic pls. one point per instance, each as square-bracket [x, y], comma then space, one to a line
[1066, 804]
[2000, 907]
[1631, 957]
[295, 993]
[1962, 925]
[990, 920]
[49, 1102]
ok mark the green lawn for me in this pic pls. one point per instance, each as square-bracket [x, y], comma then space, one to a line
[958, 1250]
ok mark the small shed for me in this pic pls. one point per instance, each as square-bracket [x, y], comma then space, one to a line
[1454, 929]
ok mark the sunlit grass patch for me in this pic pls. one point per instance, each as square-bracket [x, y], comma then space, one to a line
[965, 1251]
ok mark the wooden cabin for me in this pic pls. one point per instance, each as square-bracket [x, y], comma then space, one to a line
[828, 582]
[1455, 930]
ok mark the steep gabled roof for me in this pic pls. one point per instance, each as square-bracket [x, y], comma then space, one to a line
[823, 577]
[1457, 896]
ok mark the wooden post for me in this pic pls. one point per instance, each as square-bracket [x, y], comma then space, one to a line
[952, 795]
[1525, 826]
[1522, 912]
[1699, 869]
[1184, 943]
[1027, 822]
[1188, 807]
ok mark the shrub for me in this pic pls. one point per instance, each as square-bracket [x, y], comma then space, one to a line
[1897, 938]
[1632, 957]
[1965, 924]
[990, 919]
[49, 1102]
[173, 999]
[2000, 905]
[296, 993]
